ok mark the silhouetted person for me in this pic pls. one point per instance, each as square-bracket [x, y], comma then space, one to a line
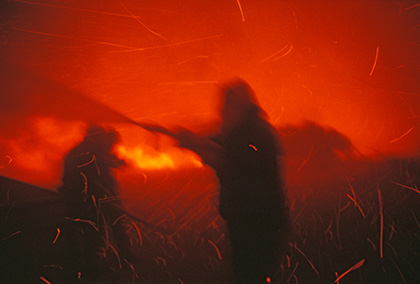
[245, 157]
[93, 203]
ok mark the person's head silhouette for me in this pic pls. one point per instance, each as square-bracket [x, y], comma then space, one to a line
[239, 103]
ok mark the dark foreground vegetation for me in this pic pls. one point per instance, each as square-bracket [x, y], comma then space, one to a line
[362, 228]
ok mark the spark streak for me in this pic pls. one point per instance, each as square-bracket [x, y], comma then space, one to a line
[133, 49]
[141, 23]
[138, 232]
[118, 219]
[84, 221]
[354, 198]
[56, 237]
[381, 233]
[116, 254]
[296, 22]
[376, 60]
[216, 248]
[408, 187]
[413, 113]
[275, 53]
[85, 181]
[307, 159]
[338, 223]
[371, 242]
[402, 136]
[240, 9]
[399, 271]
[45, 280]
[8, 162]
[184, 224]
[14, 234]
[307, 258]
[354, 267]
[292, 274]
[345, 206]
[328, 232]
[253, 147]
[284, 54]
[306, 88]
[73, 38]
[413, 6]
[7, 198]
[392, 248]
[415, 219]
[71, 8]
[357, 205]
[54, 266]
[85, 164]
[160, 260]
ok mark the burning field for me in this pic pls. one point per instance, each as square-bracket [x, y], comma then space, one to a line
[339, 80]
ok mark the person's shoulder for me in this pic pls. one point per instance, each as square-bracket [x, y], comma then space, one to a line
[263, 127]
[79, 156]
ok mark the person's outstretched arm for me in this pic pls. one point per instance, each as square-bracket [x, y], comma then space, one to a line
[210, 152]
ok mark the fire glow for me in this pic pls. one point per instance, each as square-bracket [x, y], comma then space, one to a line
[144, 159]
[349, 65]
[339, 80]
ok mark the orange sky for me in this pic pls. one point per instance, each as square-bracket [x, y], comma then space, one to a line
[350, 65]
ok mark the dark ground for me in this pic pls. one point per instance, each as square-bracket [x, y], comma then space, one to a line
[362, 229]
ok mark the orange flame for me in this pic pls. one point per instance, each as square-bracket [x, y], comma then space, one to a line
[158, 160]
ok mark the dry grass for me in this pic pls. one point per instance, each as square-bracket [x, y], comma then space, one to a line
[362, 229]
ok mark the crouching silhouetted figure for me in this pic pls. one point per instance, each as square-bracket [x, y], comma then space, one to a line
[245, 157]
[97, 225]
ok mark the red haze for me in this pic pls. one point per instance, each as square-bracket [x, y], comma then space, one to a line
[349, 65]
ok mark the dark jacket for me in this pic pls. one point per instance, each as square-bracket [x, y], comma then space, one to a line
[250, 184]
